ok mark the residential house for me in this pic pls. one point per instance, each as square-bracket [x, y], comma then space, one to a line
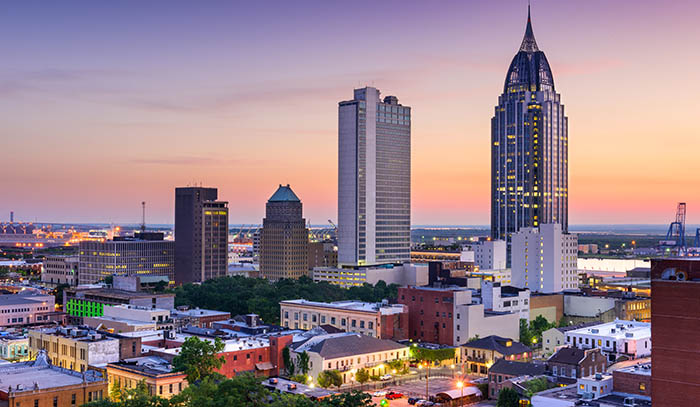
[569, 364]
[480, 354]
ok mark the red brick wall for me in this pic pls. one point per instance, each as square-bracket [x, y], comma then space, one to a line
[424, 300]
[546, 301]
[630, 383]
[675, 328]
[277, 345]
[394, 326]
[243, 361]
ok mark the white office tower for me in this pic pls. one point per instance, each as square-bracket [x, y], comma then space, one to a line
[543, 259]
[374, 180]
[490, 254]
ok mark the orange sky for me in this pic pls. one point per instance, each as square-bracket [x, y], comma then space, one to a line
[245, 99]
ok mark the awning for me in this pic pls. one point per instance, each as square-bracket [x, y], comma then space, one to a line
[264, 366]
[456, 394]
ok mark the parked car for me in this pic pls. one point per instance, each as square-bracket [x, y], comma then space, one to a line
[380, 393]
[393, 395]
[412, 400]
[424, 403]
[385, 377]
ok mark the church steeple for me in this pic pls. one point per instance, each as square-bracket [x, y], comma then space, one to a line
[529, 44]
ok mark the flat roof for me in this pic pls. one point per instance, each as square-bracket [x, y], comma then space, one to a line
[30, 376]
[351, 305]
[617, 329]
[114, 293]
[643, 369]
[197, 312]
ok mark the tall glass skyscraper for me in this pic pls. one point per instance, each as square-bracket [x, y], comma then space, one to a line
[529, 146]
[374, 180]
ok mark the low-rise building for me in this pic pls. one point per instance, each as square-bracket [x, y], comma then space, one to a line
[14, 347]
[74, 348]
[554, 338]
[39, 383]
[380, 320]
[450, 316]
[596, 386]
[633, 380]
[60, 270]
[130, 318]
[569, 364]
[26, 308]
[202, 318]
[503, 276]
[480, 354]
[400, 274]
[81, 302]
[347, 352]
[496, 297]
[616, 339]
[503, 370]
[156, 372]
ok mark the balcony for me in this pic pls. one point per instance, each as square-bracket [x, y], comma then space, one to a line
[476, 359]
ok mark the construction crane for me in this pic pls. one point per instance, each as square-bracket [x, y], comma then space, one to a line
[675, 237]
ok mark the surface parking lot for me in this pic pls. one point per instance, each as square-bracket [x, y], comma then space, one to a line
[416, 389]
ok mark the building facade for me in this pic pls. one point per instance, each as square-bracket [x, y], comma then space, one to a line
[529, 146]
[284, 239]
[544, 259]
[21, 309]
[156, 372]
[90, 302]
[482, 353]
[382, 321]
[570, 363]
[675, 327]
[73, 348]
[143, 254]
[496, 297]
[631, 339]
[374, 179]
[400, 274]
[449, 316]
[201, 235]
[490, 254]
[14, 348]
[60, 270]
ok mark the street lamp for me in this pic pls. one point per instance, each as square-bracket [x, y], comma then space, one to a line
[460, 386]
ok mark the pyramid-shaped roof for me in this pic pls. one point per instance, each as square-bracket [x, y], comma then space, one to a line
[284, 194]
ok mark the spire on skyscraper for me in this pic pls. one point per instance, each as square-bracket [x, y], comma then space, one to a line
[529, 44]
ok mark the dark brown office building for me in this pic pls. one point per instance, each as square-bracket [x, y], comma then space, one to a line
[675, 329]
[284, 238]
[201, 235]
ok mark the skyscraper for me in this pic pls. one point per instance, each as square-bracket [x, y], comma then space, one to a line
[201, 235]
[374, 179]
[529, 146]
[284, 238]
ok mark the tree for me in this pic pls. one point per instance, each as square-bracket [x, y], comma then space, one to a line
[136, 397]
[329, 378]
[354, 399]
[508, 398]
[536, 385]
[198, 358]
[432, 355]
[525, 333]
[303, 362]
[288, 362]
[215, 391]
[362, 376]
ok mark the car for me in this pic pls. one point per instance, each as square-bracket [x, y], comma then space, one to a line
[380, 393]
[424, 403]
[413, 400]
[393, 395]
[386, 377]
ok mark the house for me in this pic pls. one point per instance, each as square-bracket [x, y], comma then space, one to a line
[481, 354]
[569, 364]
[504, 370]
[348, 351]
[556, 337]
[627, 339]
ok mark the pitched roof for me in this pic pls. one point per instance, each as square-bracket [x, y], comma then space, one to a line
[284, 194]
[513, 368]
[498, 344]
[334, 346]
[569, 356]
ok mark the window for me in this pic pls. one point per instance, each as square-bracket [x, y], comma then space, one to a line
[370, 325]
[72, 399]
[554, 370]
[362, 324]
[55, 402]
[332, 320]
[342, 322]
[642, 386]
[160, 390]
[170, 388]
[353, 323]
[323, 319]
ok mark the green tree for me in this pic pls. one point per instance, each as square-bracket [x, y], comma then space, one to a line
[288, 362]
[213, 391]
[198, 358]
[136, 397]
[353, 399]
[329, 378]
[536, 385]
[525, 333]
[431, 355]
[563, 322]
[508, 398]
[303, 362]
[362, 376]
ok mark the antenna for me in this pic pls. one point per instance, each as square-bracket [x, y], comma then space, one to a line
[143, 216]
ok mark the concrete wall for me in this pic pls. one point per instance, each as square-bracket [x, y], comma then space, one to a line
[549, 306]
[575, 305]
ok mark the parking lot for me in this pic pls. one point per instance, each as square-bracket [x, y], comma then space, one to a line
[417, 389]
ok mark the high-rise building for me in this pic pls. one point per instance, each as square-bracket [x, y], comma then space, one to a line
[544, 259]
[675, 327]
[145, 253]
[529, 146]
[490, 254]
[374, 180]
[201, 235]
[284, 238]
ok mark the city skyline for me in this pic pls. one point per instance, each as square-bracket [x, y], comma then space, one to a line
[138, 113]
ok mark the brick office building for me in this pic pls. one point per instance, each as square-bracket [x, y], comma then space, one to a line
[633, 380]
[570, 363]
[447, 316]
[675, 327]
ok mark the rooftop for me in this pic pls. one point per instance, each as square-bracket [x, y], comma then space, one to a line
[640, 369]
[504, 346]
[148, 365]
[568, 355]
[41, 374]
[514, 368]
[19, 299]
[284, 194]
[197, 312]
[351, 305]
[288, 386]
[339, 345]
[114, 293]
[75, 333]
[618, 329]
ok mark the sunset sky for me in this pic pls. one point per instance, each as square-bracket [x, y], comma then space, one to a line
[107, 104]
